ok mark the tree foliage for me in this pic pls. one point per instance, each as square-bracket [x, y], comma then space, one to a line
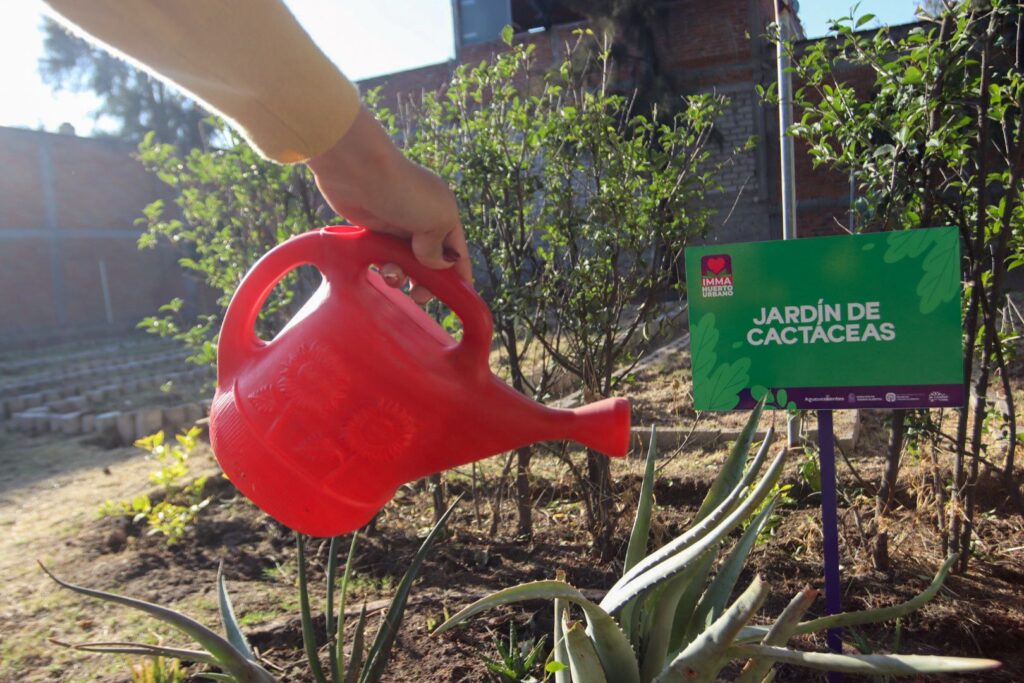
[231, 207]
[578, 205]
[936, 138]
[135, 101]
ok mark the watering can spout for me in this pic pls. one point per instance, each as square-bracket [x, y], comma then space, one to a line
[604, 426]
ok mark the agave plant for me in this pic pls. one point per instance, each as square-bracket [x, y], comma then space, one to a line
[667, 620]
[233, 654]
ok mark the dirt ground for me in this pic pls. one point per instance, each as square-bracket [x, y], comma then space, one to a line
[50, 491]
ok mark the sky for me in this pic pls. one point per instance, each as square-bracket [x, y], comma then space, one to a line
[363, 37]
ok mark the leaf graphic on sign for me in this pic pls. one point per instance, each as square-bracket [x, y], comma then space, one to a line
[703, 341]
[907, 244]
[721, 391]
[941, 279]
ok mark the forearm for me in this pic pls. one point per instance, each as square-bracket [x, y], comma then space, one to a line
[248, 60]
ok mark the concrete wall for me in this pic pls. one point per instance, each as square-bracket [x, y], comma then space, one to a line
[66, 205]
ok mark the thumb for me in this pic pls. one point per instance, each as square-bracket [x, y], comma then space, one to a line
[428, 247]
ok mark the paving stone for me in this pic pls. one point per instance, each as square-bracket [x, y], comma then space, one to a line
[106, 423]
[40, 422]
[193, 412]
[148, 421]
[126, 428]
[67, 423]
[88, 423]
[174, 418]
[24, 422]
[62, 406]
[51, 395]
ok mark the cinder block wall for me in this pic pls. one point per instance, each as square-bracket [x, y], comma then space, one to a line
[68, 204]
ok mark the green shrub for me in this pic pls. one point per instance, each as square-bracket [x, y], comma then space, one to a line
[181, 503]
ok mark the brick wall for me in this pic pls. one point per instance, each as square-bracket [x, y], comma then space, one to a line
[718, 48]
[68, 204]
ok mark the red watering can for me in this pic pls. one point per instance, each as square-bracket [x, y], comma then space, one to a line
[362, 391]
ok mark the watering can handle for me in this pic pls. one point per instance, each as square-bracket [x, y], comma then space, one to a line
[477, 326]
[358, 248]
[238, 340]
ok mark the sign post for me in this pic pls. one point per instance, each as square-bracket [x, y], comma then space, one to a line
[853, 321]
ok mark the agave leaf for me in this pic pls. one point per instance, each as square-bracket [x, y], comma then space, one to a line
[639, 537]
[612, 646]
[705, 525]
[228, 658]
[688, 602]
[561, 654]
[702, 659]
[142, 649]
[687, 559]
[339, 672]
[732, 469]
[758, 670]
[866, 665]
[380, 651]
[751, 634]
[870, 616]
[716, 596]
[665, 601]
[227, 617]
[584, 663]
[308, 634]
[329, 627]
[355, 663]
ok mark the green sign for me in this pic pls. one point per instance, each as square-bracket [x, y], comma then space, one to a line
[858, 321]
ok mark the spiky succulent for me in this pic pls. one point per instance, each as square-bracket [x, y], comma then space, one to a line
[666, 620]
[232, 653]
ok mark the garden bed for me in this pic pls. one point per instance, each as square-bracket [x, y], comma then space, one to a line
[50, 492]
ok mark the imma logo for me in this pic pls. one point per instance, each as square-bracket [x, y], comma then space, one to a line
[716, 275]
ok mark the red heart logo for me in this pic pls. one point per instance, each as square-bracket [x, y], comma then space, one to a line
[716, 264]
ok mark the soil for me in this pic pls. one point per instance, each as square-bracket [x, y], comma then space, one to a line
[50, 491]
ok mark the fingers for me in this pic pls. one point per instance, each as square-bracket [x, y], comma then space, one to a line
[455, 243]
[443, 252]
[394, 276]
[428, 247]
[421, 295]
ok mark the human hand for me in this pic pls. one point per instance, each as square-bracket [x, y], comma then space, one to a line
[366, 179]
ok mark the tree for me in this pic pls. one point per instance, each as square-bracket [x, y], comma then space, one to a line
[135, 101]
[938, 139]
[231, 207]
[579, 205]
[634, 26]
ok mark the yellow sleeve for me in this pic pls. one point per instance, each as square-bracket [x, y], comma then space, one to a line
[249, 60]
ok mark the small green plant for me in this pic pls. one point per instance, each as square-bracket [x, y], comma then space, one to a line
[667, 620]
[181, 504]
[157, 670]
[517, 660]
[778, 497]
[810, 470]
[233, 654]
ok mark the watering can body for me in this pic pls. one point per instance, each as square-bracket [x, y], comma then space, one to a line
[362, 391]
